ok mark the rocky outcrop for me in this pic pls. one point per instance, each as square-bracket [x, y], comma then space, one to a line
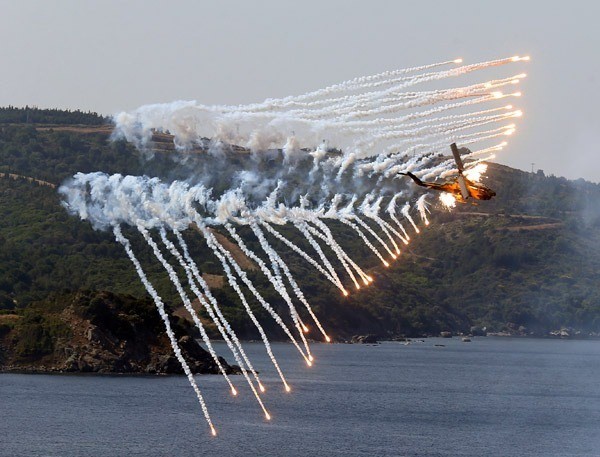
[102, 333]
[478, 331]
[364, 339]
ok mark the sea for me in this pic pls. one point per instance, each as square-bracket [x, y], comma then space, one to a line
[440, 397]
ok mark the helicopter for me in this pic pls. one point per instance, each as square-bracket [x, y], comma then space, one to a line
[461, 187]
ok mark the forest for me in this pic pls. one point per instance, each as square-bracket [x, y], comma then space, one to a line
[525, 263]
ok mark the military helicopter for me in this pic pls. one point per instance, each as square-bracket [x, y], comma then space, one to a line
[461, 187]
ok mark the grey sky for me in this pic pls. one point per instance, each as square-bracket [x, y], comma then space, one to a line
[109, 56]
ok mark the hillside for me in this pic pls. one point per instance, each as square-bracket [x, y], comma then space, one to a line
[96, 332]
[525, 262]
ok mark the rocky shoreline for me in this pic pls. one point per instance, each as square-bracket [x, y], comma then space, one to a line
[103, 334]
[85, 360]
[108, 334]
[510, 331]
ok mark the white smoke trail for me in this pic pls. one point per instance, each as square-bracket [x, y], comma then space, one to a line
[353, 84]
[234, 284]
[270, 123]
[186, 303]
[391, 209]
[408, 136]
[163, 314]
[243, 276]
[277, 259]
[333, 243]
[217, 309]
[406, 213]
[371, 211]
[422, 208]
[309, 259]
[301, 226]
[375, 235]
[339, 255]
[277, 283]
[215, 319]
[344, 220]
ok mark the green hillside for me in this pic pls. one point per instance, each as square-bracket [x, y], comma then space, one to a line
[528, 259]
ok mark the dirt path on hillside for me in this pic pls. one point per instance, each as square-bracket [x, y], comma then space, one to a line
[16, 177]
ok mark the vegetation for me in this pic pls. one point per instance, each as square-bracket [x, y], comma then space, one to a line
[30, 115]
[529, 258]
[37, 331]
[92, 331]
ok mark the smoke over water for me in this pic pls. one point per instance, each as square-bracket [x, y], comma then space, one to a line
[334, 154]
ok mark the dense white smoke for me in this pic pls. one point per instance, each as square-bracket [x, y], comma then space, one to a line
[300, 164]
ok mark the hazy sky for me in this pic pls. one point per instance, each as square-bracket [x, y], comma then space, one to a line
[109, 56]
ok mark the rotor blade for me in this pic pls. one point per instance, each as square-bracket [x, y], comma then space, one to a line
[457, 159]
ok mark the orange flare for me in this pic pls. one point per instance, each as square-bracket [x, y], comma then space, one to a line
[327, 339]
[267, 416]
[233, 391]
[261, 387]
[458, 61]
[213, 431]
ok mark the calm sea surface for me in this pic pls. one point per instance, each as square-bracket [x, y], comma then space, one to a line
[491, 397]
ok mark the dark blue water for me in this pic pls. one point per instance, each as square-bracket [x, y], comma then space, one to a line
[491, 397]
